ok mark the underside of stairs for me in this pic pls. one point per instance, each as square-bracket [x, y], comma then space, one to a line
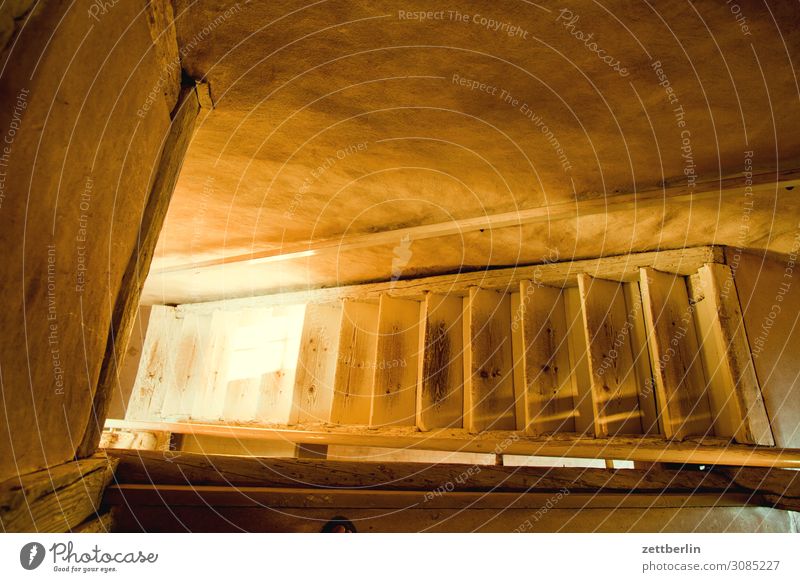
[641, 357]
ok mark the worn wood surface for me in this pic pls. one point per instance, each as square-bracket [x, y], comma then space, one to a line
[546, 388]
[156, 372]
[773, 329]
[144, 467]
[210, 401]
[396, 372]
[316, 363]
[641, 359]
[174, 148]
[559, 274]
[615, 394]
[190, 353]
[440, 395]
[488, 361]
[579, 362]
[56, 499]
[734, 391]
[677, 364]
[355, 363]
[706, 451]
[418, 519]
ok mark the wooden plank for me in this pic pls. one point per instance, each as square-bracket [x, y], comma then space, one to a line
[210, 402]
[579, 362]
[240, 447]
[146, 467]
[641, 360]
[701, 451]
[262, 359]
[219, 496]
[358, 342]
[278, 377]
[734, 392]
[617, 268]
[547, 392]
[440, 395]
[396, 363]
[56, 499]
[313, 471]
[316, 363]
[147, 440]
[615, 394]
[155, 373]
[518, 358]
[680, 381]
[488, 361]
[186, 378]
[127, 301]
[239, 380]
[419, 519]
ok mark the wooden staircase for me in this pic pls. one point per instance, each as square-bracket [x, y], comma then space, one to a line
[645, 345]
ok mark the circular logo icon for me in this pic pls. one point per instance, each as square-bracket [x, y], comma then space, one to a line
[31, 555]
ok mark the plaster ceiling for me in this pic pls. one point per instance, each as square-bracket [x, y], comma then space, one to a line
[336, 119]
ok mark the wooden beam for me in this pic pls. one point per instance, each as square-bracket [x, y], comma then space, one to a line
[144, 467]
[147, 468]
[617, 268]
[127, 301]
[219, 496]
[57, 499]
[705, 451]
[581, 209]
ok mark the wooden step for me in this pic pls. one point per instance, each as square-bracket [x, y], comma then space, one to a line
[316, 363]
[545, 393]
[187, 375]
[615, 394]
[352, 385]
[488, 361]
[396, 368]
[737, 404]
[440, 395]
[579, 362]
[210, 402]
[680, 381]
[157, 364]
[651, 421]
[264, 347]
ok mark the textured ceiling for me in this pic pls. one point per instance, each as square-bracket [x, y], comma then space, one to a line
[336, 119]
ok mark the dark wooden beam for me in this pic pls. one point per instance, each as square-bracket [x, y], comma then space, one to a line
[56, 499]
[127, 304]
[774, 487]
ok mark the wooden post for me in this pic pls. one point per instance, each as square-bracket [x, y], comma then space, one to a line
[127, 302]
